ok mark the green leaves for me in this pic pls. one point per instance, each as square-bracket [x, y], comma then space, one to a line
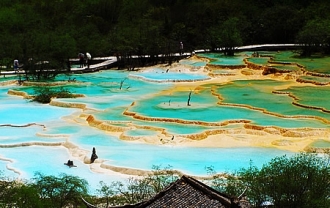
[53, 30]
[43, 191]
[314, 35]
[60, 191]
[136, 189]
[298, 181]
[45, 94]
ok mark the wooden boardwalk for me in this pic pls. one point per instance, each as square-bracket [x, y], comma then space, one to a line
[105, 62]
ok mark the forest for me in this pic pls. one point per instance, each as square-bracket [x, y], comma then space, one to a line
[57, 30]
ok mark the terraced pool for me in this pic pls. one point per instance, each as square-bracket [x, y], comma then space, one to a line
[164, 115]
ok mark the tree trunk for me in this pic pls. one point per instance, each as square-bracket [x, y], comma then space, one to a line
[189, 97]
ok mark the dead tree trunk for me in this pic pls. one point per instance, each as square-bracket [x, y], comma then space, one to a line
[189, 97]
[121, 83]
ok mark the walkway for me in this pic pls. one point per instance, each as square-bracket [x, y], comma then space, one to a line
[110, 60]
[107, 61]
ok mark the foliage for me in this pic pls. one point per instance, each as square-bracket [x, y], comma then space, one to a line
[45, 94]
[136, 189]
[22, 194]
[230, 35]
[43, 191]
[298, 181]
[60, 191]
[55, 31]
[314, 36]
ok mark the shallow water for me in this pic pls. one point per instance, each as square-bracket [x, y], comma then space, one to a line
[259, 60]
[220, 59]
[312, 64]
[193, 63]
[321, 144]
[259, 94]
[161, 76]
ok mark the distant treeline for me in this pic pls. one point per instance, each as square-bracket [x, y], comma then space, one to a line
[58, 29]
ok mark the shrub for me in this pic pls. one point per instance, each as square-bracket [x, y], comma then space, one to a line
[302, 180]
[45, 94]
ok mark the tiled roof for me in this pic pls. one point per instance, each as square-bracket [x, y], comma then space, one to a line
[188, 192]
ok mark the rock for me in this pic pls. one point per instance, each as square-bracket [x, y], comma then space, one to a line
[94, 156]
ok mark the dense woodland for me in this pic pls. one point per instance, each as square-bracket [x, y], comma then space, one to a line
[59, 29]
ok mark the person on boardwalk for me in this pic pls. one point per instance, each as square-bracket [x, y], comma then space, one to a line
[81, 57]
[181, 48]
[16, 65]
[88, 59]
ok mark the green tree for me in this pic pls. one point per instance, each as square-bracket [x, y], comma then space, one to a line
[314, 36]
[60, 191]
[278, 24]
[298, 181]
[230, 36]
[54, 31]
[139, 189]
[136, 189]
[17, 193]
[106, 194]
[213, 37]
[45, 94]
[23, 194]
